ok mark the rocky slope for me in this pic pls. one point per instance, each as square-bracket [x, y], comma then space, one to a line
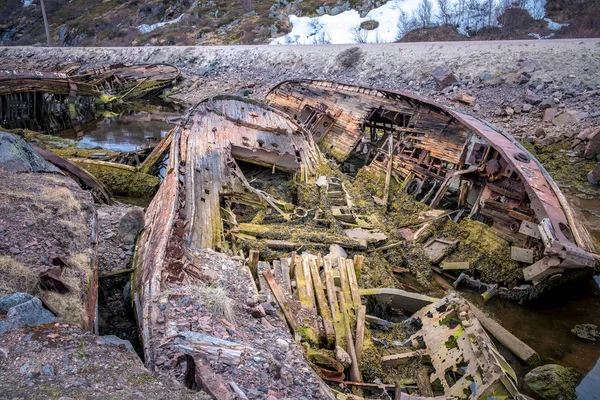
[215, 22]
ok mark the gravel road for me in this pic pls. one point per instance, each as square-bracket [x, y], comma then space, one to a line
[392, 65]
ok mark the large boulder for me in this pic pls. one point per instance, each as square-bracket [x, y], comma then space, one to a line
[16, 155]
[131, 225]
[552, 382]
[444, 76]
[592, 149]
[28, 313]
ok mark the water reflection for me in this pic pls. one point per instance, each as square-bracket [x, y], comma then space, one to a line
[122, 133]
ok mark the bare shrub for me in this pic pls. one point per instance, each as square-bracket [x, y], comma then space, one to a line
[359, 35]
[425, 13]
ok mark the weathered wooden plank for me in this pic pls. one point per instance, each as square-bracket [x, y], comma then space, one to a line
[354, 367]
[360, 330]
[281, 300]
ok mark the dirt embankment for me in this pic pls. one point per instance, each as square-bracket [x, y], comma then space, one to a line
[390, 66]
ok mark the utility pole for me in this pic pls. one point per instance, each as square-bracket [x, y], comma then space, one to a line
[46, 23]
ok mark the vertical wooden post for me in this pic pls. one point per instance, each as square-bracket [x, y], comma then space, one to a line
[358, 265]
[253, 262]
[48, 39]
[388, 175]
[354, 370]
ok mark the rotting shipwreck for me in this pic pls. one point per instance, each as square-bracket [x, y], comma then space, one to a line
[312, 249]
[451, 160]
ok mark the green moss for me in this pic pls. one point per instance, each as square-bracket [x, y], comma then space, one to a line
[73, 152]
[487, 254]
[122, 182]
[308, 335]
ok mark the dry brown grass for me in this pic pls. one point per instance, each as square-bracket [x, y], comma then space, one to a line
[15, 277]
[215, 299]
[62, 195]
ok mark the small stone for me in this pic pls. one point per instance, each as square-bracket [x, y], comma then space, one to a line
[549, 114]
[48, 370]
[477, 108]
[258, 312]
[14, 250]
[509, 111]
[283, 344]
[444, 76]
[587, 331]
[269, 309]
[343, 357]
[527, 108]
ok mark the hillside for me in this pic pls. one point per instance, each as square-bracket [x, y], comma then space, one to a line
[221, 22]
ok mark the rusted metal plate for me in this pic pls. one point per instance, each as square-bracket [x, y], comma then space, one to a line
[530, 229]
[522, 255]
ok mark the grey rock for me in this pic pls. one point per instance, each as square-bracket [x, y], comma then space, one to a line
[48, 370]
[527, 108]
[131, 225]
[532, 98]
[16, 155]
[552, 382]
[116, 341]
[444, 76]
[523, 78]
[10, 300]
[527, 66]
[485, 76]
[342, 356]
[28, 313]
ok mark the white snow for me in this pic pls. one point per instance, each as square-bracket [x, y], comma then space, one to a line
[27, 3]
[145, 28]
[554, 26]
[337, 29]
[343, 28]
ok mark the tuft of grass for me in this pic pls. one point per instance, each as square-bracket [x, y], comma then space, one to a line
[62, 195]
[215, 299]
[17, 278]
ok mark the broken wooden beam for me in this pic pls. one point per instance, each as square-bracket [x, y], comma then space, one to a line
[459, 265]
[253, 257]
[354, 367]
[398, 298]
[395, 360]
[281, 300]
[360, 330]
[508, 340]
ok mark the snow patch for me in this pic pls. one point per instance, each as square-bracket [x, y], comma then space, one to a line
[540, 37]
[554, 26]
[343, 28]
[27, 3]
[145, 28]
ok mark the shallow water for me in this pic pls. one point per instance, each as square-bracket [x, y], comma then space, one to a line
[545, 324]
[122, 133]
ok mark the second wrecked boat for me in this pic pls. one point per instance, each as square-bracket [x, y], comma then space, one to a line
[451, 160]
